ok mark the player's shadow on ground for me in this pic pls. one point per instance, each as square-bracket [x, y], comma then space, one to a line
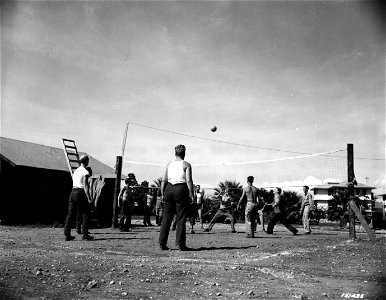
[104, 233]
[220, 248]
[319, 233]
[120, 238]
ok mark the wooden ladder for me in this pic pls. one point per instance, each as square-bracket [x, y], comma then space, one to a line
[72, 155]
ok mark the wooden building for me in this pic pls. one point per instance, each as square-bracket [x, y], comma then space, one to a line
[35, 184]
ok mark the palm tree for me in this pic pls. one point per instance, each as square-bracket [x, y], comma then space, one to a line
[235, 189]
[157, 183]
[291, 202]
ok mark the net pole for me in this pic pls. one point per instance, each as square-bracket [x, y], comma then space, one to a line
[117, 188]
[350, 189]
[124, 139]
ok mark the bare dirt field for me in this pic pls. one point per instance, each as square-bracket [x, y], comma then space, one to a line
[36, 263]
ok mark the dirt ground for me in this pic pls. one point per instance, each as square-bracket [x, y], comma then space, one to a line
[36, 263]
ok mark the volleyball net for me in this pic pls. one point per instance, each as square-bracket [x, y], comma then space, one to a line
[313, 169]
[287, 171]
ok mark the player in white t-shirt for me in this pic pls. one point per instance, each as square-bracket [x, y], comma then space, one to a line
[79, 199]
[177, 191]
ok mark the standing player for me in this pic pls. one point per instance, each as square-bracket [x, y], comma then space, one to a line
[250, 192]
[147, 208]
[192, 214]
[177, 192]
[307, 206]
[79, 199]
[79, 214]
[158, 208]
[225, 210]
[199, 201]
[125, 201]
[260, 213]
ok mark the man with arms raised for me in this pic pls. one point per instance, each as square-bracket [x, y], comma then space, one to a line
[224, 211]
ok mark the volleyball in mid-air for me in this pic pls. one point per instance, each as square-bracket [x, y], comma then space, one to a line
[213, 129]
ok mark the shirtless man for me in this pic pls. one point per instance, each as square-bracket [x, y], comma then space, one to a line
[250, 192]
[225, 210]
[199, 201]
[125, 201]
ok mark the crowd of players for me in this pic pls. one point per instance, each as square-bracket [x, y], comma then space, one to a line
[177, 200]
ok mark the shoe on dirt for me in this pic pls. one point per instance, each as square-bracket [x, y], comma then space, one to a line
[163, 247]
[184, 248]
[69, 238]
[87, 238]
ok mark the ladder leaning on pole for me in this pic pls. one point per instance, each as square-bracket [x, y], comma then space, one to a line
[72, 155]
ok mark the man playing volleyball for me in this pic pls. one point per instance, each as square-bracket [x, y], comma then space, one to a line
[126, 202]
[250, 192]
[225, 210]
[306, 207]
[199, 201]
[177, 192]
[279, 215]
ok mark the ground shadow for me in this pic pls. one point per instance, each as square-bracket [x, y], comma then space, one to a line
[319, 233]
[120, 238]
[219, 248]
[267, 237]
[119, 232]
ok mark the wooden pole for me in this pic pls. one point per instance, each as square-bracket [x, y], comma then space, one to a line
[364, 223]
[353, 209]
[118, 172]
[124, 139]
[350, 189]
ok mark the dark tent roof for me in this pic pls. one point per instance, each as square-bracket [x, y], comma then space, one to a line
[20, 153]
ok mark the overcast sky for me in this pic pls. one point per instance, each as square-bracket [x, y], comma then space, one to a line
[295, 76]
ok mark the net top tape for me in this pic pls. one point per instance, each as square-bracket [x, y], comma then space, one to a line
[241, 163]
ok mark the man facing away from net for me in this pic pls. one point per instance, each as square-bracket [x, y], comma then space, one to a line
[250, 193]
[79, 199]
[279, 215]
[79, 213]
[177, 192]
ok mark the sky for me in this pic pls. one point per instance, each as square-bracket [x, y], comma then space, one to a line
[279, 79]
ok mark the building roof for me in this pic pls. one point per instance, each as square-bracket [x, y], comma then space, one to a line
[341, 185]
[20, 153]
